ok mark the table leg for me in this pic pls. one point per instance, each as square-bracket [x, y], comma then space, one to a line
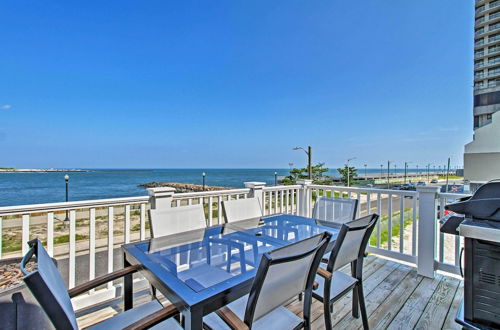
[193, 319]
[127, 287]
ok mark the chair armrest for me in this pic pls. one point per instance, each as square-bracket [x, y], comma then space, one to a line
[231, 319]
[154, 318]
[102, 280]
[324, 273]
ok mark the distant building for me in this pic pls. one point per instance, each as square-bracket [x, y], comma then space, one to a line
[482, 155]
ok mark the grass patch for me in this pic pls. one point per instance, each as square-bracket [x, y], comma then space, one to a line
[65, 238]
[384, 227]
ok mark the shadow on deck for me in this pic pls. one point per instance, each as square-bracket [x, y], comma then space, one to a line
[396, 298]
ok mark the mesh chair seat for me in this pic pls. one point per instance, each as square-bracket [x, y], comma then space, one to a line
[341, 283]
[279, 318]
[124, 319]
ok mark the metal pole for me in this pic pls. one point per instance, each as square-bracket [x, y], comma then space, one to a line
[365, 172]
[381, 171]
[66, 178]
[309, 165]
[348, 173]
[428, 168]
[447, 174]
[203, 176]
[388, 173]
[275, 178]
[406, 165]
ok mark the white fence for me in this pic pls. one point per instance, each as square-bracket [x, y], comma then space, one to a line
[408, 227]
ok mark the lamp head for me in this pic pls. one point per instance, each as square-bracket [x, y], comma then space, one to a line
[66, 177]
[203, 174]
[297, 148]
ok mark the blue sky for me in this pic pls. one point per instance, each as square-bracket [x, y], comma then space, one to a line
[168, 84]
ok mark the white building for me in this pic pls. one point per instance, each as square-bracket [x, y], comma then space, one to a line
[482, 156]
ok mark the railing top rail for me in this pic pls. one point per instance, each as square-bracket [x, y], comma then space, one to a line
[452, 195]
[273, 188]
[371, 190]
[211, 193]
[49, 207]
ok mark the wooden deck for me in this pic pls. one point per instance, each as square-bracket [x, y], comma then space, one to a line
[396, 298]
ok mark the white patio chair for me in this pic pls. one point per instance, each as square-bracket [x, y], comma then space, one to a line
[242, 209]
[335, 209]
[175, 220]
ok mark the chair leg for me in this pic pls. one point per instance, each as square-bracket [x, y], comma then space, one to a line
[355, 302]
[153, 292]
[327, 310]
[362, 306]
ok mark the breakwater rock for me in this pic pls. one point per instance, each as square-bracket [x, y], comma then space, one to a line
[182, 187]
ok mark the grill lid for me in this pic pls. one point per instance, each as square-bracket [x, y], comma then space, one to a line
[484, 204]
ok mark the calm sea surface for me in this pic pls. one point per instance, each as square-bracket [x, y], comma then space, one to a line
[33, 188]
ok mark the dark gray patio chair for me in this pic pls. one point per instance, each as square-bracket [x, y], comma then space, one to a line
[349, 247]
[335, 209]
[282, 274]
[49, 290]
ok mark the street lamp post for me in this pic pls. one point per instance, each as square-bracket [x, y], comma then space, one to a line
[395, 174]
[309, 159]
[203, 179]
[349, 171]
[381, 171]
[428, 169]
[66, 179]
[275, 178]
[388, 173]
[365, 172]
[418, 173]
[406, 167]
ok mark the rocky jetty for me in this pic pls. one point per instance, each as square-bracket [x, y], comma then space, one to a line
[182, 187]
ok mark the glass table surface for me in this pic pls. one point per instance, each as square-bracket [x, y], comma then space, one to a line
[223, 255]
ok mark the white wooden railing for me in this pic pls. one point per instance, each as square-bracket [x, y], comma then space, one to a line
[397, 209]
[101, 226]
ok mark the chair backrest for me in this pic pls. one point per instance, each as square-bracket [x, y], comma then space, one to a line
[48, 288]
[335, 209]
[283, 274]
[351, 241]
[175, 220]
[242, 209]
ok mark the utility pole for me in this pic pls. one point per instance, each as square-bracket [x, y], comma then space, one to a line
[388, 173]
[309, 159]
[406, 166]
[309, 162]
[447, 174]
[349, 170]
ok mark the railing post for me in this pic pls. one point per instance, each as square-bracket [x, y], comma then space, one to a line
[304, 200]
[426, 238]
[257, 192]
[161, 197]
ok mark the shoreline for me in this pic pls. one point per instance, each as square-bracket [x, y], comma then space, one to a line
[38, 170]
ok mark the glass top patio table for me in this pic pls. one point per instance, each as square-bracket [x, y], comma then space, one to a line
[208, 268]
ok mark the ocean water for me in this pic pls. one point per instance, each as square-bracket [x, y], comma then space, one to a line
[34, 188]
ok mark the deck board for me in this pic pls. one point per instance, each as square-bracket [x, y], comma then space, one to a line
[396, 298]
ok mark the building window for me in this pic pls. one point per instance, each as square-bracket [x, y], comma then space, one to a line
[486, 99]
[476, 121]
[488, 116]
